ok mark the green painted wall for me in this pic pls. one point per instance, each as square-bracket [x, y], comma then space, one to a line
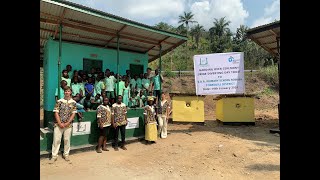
[92, 138]
[73, 54]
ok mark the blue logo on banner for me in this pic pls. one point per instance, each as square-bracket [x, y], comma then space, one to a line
[230, 59]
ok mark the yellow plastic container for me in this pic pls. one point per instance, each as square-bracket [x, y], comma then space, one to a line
[187, 108]
[235, 109]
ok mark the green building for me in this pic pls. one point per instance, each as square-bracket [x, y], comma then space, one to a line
[84, 38]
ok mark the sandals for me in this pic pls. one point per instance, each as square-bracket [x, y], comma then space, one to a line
[105, 149]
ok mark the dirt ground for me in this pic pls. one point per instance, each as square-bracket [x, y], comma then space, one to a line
[191, 151]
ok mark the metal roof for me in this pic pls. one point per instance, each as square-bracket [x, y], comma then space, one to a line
[266, 36]
[92, 27]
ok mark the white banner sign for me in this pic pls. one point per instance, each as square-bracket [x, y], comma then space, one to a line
[81, 128]
[220, 73]
[133, 123]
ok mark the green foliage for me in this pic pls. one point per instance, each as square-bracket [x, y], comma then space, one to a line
[267, 91]
[269, 74]
[217, 39]
[168, 73]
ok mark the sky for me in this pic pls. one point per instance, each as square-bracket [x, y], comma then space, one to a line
[251, 13]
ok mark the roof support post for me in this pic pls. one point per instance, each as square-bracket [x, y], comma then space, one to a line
[160, 51]
[278, 48]
[59, 59]
[118, 37]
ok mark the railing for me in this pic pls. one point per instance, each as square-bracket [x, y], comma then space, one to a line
[190, 73]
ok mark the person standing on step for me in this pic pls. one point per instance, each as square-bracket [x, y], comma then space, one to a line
[163, 114]
[109, 85]
[70, 72]
[66, 77]
[104, 123]
[64, 112]
[156, 85]
[150, 122]
[119, 122]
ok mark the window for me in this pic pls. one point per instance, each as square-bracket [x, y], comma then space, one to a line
[90, 63]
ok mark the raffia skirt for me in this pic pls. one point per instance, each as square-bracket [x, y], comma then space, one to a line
[151, 132]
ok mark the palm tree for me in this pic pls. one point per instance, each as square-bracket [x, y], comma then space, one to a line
[220, 35]
[198, 33]
[186, 19]
[239, 40]
[220, 26]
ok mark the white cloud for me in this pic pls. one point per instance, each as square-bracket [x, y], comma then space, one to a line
[271, 13]
[152, 12]
[138, 10]
[205, 12]
[173, 22]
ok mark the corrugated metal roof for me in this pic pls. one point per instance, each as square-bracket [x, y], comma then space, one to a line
[88, 26]
[266, 36]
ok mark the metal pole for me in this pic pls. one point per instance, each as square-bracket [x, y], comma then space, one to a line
[160, 51]
[59, 60]
[118, 65]
[278, 48]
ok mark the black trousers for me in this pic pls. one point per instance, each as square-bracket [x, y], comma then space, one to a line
[104, 131]
[123, 134]
[157, 94]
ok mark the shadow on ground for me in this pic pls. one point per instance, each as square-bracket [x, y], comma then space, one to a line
[264, 167]
[259, 132]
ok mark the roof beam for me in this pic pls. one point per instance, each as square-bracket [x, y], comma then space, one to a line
[266, 43]
[124, 43]
[163, 40]
[124, 26]
[166, 51]
[262, 36]
[60, 20]
[159, 43]
[104, 28]
[272, 31]
[91, 38]
[101, 46]
[76, 35]
[264, 47]
[95, 31]
[150, 49]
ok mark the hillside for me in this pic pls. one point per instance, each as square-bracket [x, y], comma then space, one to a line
[266, 100]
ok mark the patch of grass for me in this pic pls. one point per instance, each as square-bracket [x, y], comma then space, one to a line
[270, 75]
[169, 74]
[267, 91]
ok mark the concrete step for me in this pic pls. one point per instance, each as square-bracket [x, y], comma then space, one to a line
[50, 125]
[46, 136]
[46, 130]
[87, 147]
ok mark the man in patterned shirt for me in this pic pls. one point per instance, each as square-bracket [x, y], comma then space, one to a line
[119, 122]
[64, 112]
[104, 123]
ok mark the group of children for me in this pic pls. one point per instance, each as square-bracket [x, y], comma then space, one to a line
[99, 91]
[89, 89]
